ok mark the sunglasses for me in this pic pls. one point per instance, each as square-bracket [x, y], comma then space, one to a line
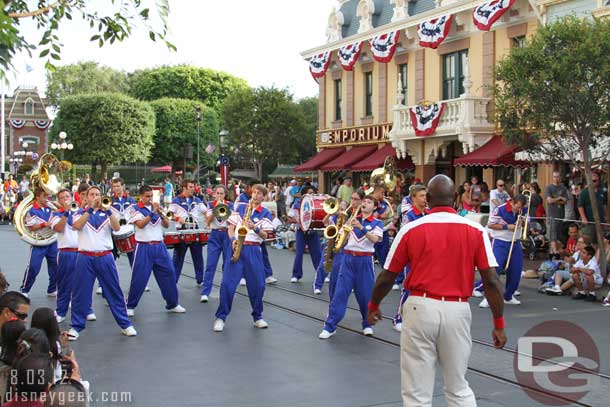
[21, 315]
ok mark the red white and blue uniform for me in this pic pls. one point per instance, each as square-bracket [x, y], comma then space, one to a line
[334, 272]
[309, 239]
[151, 254]
[40, 215]
[67, 244]
[357, 273]
[219, 244]
[405, 206]
[501, 242]
[382, 247]
[249, 265]
[195, 208]
[95, 260]
[119, 204]
[243, 199]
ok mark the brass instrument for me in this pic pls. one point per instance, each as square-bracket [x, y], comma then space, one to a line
[169, 215]
[74, 206]
[106, 203]
[241, 233]
[385, 176]
[48, 176]
[331, 205]
[222, 212]
[345, 231]
[330, 234]
[528, 195]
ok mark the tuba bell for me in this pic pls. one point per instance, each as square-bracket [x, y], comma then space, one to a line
[48, 176]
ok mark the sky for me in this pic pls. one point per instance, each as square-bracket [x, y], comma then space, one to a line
[259, 41]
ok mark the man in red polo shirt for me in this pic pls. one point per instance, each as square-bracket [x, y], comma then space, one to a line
[443, 250]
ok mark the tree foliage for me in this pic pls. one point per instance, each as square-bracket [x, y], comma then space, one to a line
[266, 127]
[554, 99]
[109, 21]
[185, 82]
[84, 77]
[106, 128]
[309, 107]
[176, 126]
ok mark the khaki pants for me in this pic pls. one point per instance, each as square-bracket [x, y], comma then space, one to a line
[435, 331]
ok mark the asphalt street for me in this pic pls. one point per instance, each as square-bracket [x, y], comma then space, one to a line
[179, 360]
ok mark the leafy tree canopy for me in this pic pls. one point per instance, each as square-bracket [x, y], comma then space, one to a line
[185, 82]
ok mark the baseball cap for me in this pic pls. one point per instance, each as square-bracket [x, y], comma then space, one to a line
[294, 181]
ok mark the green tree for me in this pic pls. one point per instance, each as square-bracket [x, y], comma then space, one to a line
[83, 77]
[185, 82]
[176, 126]
[309, 107]
[266, 127]
[108, 20]
[107, 128]
[554, 96]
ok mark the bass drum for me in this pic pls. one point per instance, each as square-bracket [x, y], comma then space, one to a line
[311, 212]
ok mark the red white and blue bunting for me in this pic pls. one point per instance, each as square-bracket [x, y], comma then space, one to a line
[41, 124]
[485, 15]
[425, 118]
[384, 45]
[348, 55]
[433, 32]
[318, 64]
[17, 123]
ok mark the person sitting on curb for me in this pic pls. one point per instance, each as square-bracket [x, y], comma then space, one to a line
[586, 275]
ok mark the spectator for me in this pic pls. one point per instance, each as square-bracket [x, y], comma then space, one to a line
[562, 278]
[88, 180]
[335, 188]
[586, 275]
[288, 199]
[585, 208]
[13, 305]
[345, 191]
[33, 340]
[475, 187]
[498, 196]
[44, 319]
[31, 381]
[536, 202]
[598, 256]
[71, 391]
[485, 198]
[168, 191]
[556, 198]
[24, 185]
[571, 244]
[464, 203]
[11, 331]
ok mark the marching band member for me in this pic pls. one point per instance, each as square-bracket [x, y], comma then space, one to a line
[357, 269]
[121, 201]
[310, 239]
[37, 219]
[95, 260]
[218, 242]
[418, 210]
[151, 254]
[250, 261]
[193, 206]
[67, 242]
[501, 226]
[382, 212]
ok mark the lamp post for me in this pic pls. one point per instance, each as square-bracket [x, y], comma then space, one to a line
[198, 111]
[62, 145]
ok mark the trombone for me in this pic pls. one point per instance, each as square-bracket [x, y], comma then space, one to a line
[528, 195]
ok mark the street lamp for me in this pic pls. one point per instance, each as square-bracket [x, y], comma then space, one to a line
[221, 139]
[198, 110]
[62, 145]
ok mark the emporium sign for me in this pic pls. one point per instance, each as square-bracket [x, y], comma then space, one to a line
[371, 134]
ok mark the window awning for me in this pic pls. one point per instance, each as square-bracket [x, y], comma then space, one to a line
[321, 158]
[345, 161]
[494, 153]
[377, 159]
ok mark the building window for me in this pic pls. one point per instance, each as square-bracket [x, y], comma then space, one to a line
[402, 69]
[338, 99]
[368, 97]
[453, 74]
[518, 42]
[28, 107]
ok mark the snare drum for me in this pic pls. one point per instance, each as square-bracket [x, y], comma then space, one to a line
[172, 239]
[189, 236]
[311, 212]
[125, 239]
[202, 236]
[270, 237]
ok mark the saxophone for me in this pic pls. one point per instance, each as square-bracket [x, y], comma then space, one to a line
[330, 233]
[345, 231]
[241, 233]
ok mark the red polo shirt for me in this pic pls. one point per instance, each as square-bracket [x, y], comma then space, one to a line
[443, 250]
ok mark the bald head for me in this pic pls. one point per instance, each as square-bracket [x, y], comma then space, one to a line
[440, 191]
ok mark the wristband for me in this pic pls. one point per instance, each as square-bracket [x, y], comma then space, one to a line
[499, 323]
[373, 306]
[109, 212]
[504, 227]
[257, 230]
[66, 214]
[90, 211]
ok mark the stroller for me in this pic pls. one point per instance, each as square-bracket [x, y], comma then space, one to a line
[536, 241]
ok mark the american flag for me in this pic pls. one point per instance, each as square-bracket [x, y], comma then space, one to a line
[210, 149]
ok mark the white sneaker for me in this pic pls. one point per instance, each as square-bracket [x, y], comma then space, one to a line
[271, 280]
[484, 303]
[60, 319]
[98, 290]
[368, 331]
[130, 312]
[242, 281]
[146, 289]
[513, 301]
[477, 293]
[178, 309]
[219, 325]
[91, 317]
[555, 290]
[396, 287]
[294, 280]
[325, 334]
[327, 279]
[261, 324]
[26, 295]
[317, 291]
[398, 327]
[53, 294]
[517, 293]
[204, 298]
[73, 334]
[129, 331]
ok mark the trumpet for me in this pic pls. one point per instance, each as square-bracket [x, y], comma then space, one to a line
[106, 203]
[169, 215]
[74, 206]
[221, 212]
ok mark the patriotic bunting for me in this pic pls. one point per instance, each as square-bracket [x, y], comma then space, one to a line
[318, 64]
[425, 118]
[41, 124]
[433, 32]
[348, 55]
[485, 15]
[17, 123]
[383, 46]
